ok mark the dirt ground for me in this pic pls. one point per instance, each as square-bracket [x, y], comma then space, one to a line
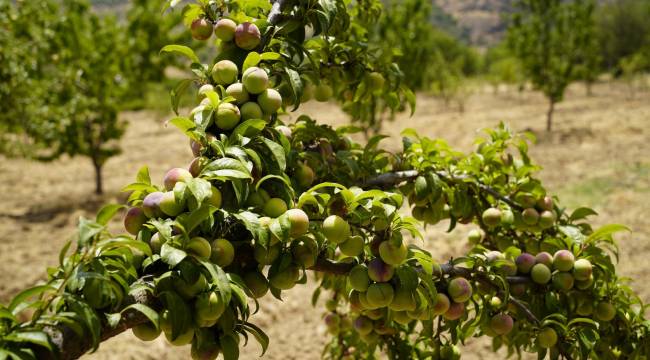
[598, 156]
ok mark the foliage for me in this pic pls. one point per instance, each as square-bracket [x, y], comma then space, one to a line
[551, 38]
[264, 202]
[502, 67]
[61, 82]
[623, 30]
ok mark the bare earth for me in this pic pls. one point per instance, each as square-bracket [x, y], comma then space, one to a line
[598, 156]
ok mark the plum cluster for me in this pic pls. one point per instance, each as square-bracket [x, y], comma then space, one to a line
[246, 35]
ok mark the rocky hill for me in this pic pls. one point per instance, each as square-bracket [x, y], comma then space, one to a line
[482, 20]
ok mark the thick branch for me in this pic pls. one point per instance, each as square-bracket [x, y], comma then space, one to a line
[393, 178]
[72, 346]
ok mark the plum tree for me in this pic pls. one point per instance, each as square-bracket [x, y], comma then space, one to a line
[355, 195]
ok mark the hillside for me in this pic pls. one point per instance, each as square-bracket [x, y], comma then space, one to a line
[483, 20]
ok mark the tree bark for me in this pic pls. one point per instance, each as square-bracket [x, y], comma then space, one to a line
[99, 186]
[549, 115]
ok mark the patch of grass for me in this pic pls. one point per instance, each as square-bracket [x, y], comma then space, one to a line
[595, 191]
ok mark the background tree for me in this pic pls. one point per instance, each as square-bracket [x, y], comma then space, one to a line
[500, 66]
[623, 30]
[62, 82]
[550, 38]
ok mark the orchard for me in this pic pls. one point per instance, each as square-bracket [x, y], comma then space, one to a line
[265, 204]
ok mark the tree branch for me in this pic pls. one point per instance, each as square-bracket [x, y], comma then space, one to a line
[393, 178]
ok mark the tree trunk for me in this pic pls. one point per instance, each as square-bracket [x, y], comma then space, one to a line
[549, 115]
[588, 85]
[99, 187]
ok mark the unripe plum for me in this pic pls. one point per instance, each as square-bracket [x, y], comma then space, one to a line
[353, 246]
[200, 247]
[323, 92]
[493, 255]
[146, 331]
[204, 89]
[582, 269]
[209, 306]
[183, 339]
[507, 217]
[151, 204]
[501, 324]
[256, 283]
[187, 290]
[459, 289]
[206, 349]
[442, 304]
[255, 80]
[201, 29]
[605, 311]
[563, 260]
[421, 313]
[225, 29]
[134, 220]
[403, 300]
[544, 258]
[196, 166]
[526, 200]
[228, 116]
[336, 229]
[358, 278]
[530, 216]
[270, 101]
[175, 175]
[169, 205]
[215, 198]
[299, 222]
[275, 207]
[491, 217]
[474, 236]
[401, 317]
[223, 253]
[238, 92]
[547, 338]
[155, 243]
[285, 279]
[455, 311]
[251, 110]
[364, 301]
[380, 295]
[391, 254]
[332, 320]
[266, 256]
[540, 274]
[376, 81]
[286, 131]
[379, 271]
[362, 325]
[546, 219]
[585, 284]
[355, 302]
[304, 250]
[563, 281]
[304, 175]
[225, 72]
[247, 36]
[545, 203]
[585, 309]
[525, 263]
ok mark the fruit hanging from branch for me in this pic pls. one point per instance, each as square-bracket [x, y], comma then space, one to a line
[265, 203]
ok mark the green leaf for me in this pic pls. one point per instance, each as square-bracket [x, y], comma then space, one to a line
[88, 230]
[22, 296]
[605, 232]
[107, 212]
[250, 128]
[226, 169]
[150, 313]
[252, 224]
[39, 338]
[182, 50]
[229, 347]
[581, 213]
[183, 123]
[259, 335]
[143, 176]
[295, 85]
[177, 93]
[270, 56]
[252, 59]
[171, 255]
[201, 189]
[277, 151]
